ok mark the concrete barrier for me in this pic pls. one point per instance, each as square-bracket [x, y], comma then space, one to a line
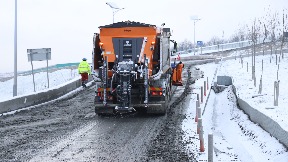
[256, 116]
[38, 97]
[264, 121]
[224, 80]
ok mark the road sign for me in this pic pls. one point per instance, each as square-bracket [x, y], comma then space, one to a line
[39, 54]
[200, 43]
[285, 35]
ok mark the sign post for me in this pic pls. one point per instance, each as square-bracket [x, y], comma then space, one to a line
[200, 44]
[285, 35]
[39, 54]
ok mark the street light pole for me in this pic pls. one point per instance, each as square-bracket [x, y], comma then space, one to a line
[15, 53]
[194, 37]
[115, 11]
[114, 7]
[195, 19]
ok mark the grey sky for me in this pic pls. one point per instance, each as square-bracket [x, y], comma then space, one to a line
[67, 26]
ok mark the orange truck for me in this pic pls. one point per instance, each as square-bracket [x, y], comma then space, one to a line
[132, 68]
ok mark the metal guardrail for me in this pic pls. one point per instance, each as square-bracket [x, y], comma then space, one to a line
[227, 46]
[230, 46]
[51, 68]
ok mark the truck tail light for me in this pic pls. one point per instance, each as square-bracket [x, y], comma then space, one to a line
[156, 93]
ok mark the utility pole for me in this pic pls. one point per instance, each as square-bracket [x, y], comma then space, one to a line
[15, 53]
[195, 19]
[114, 7]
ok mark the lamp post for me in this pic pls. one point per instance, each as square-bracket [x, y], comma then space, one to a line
[15, 53]
[114, 7]
[195, 19]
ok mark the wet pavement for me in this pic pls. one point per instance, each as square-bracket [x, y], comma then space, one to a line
[69, 130]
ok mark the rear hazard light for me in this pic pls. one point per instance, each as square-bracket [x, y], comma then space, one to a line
[156, 93]
[101, 96]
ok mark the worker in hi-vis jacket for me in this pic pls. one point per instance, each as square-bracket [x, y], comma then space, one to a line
[84, 70]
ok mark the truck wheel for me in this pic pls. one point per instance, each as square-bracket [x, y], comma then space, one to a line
[164, 106]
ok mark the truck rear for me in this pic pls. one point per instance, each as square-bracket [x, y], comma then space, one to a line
[132, 68]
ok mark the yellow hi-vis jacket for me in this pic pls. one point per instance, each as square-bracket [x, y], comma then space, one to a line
[84, 67]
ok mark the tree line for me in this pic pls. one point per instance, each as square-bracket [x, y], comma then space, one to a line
[267, 29]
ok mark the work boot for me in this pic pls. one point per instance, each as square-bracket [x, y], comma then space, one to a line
[84, 85]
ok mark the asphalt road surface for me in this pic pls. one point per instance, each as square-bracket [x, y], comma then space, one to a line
[69, 130]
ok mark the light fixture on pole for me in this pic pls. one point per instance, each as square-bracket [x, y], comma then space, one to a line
[15, 53]
[195, 19]
[114, 7]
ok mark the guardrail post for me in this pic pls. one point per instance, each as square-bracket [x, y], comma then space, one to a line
[262, 65]
[196, 115]
[199, 116]
[278, 72]
[247, 66]
[270, 59]
[207, 84]
[204, 88]
[210, 147]
[201, 94]
[276, 92]
[260, 86]
[202, 149]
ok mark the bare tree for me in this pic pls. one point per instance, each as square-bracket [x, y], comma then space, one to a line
[213, 41]
[185, 45]
[238, 36]
[284, 29]
[265, 35]
[273, 23]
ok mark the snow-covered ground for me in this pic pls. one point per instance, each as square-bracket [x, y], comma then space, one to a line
[236, 138]
[25, 84]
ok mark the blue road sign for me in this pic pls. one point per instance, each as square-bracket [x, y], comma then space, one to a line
[285, 34]
[200, 43]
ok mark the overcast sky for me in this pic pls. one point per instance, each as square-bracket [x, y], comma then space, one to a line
[67, 26]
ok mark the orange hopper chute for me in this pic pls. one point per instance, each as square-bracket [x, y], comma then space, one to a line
[177, 74]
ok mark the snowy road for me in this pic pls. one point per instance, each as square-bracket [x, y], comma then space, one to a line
[68, 130]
